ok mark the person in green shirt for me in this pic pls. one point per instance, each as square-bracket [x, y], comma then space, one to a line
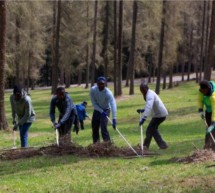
[206, 104]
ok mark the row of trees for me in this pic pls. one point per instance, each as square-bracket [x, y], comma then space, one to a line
[63, 42]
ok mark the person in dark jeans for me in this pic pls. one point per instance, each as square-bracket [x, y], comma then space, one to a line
[22, 113]
[159, 113]
[67, 113]
[103, 102]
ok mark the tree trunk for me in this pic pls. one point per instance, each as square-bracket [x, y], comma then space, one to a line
[87, 50]
[208, 66]
[94, 45]
[115, 48]
[160, 57]
[3, 122]
[17, 55]
[56, 38]
[190, 53]
[119, 65]
[132, 52]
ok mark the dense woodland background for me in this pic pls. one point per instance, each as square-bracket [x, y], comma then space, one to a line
[47, 43]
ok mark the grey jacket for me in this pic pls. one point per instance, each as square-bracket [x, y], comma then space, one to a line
[154, 105]
[22, 109]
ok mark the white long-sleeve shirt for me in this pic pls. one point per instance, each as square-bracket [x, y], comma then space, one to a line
[103, 100]
[154, 105]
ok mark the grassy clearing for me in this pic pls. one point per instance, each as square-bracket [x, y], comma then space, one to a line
[183, 130]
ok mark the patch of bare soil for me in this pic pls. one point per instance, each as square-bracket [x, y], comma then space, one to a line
[198, 156]
[105, 149]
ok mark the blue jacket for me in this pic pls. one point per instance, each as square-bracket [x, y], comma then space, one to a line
[81, 111]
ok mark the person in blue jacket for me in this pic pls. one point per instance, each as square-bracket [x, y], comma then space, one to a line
[81, 112]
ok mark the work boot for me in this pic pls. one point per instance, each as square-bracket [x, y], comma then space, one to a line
[164, 146]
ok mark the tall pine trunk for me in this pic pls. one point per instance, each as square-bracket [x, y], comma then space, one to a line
[115, 48]
[3, 122]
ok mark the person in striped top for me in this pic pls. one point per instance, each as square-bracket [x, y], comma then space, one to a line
[103, 102]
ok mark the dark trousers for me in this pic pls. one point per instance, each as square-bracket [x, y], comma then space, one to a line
[23, 129]
[66, 127]
[208, 140]
[152, 131]
[97, 122]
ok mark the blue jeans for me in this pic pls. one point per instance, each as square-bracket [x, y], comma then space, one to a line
[23, 129]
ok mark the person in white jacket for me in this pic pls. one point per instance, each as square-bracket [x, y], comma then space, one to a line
[159, 112]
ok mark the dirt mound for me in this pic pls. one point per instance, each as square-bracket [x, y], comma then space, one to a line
[105, 149]
[197, 156]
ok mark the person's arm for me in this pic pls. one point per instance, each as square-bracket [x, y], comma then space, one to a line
[13, 108]
[213, 107]
[148, 105]
[93, 100]
[113, 105]
[69, 107]
[200, 101]
[27, 112]
[52, 110]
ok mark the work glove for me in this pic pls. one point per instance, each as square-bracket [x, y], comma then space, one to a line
[201, 114]
[140, 110]
[104, 114]
[211, 128]
[14, 122]
[56, 125]
[141, 121]
[15, 127]
[114, 124]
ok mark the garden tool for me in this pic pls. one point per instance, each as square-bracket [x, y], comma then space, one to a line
[209, 131]
[14, 140]
[125, 139]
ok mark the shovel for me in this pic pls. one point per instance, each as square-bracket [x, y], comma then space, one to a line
[210, 132]
[57, 136]
[125, 139]
[141, 136]
[14, 140]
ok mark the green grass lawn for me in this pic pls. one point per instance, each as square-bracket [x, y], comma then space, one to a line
[183, 131]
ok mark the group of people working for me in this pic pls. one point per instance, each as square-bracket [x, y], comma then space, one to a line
[103, 103]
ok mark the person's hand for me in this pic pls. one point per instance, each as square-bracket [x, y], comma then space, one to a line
[114, 124]
[15, 127]
[140, 110]
[104, 114]
[14, 122]
[56, 125]
[141, 121]
[211, 128]
[201, 114]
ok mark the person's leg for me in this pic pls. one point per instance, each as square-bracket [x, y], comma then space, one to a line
[65, 131]
[24, 134]
[208, 141]
[104, 123]
[155, 133]
[95, 126]
[82, 124]
[148, 137]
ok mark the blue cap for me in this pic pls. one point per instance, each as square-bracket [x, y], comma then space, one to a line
[101, 79]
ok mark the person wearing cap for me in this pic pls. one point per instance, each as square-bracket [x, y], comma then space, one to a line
[103, 102]
[206, 108]
[23, 113]
[159, 112]
[67, 111]
[81, 115]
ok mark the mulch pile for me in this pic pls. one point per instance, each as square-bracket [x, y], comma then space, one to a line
[105, 149]
[197, 157]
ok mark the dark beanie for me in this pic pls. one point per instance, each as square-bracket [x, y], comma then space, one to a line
[101, 79]
[204, 84]
[17, 89]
